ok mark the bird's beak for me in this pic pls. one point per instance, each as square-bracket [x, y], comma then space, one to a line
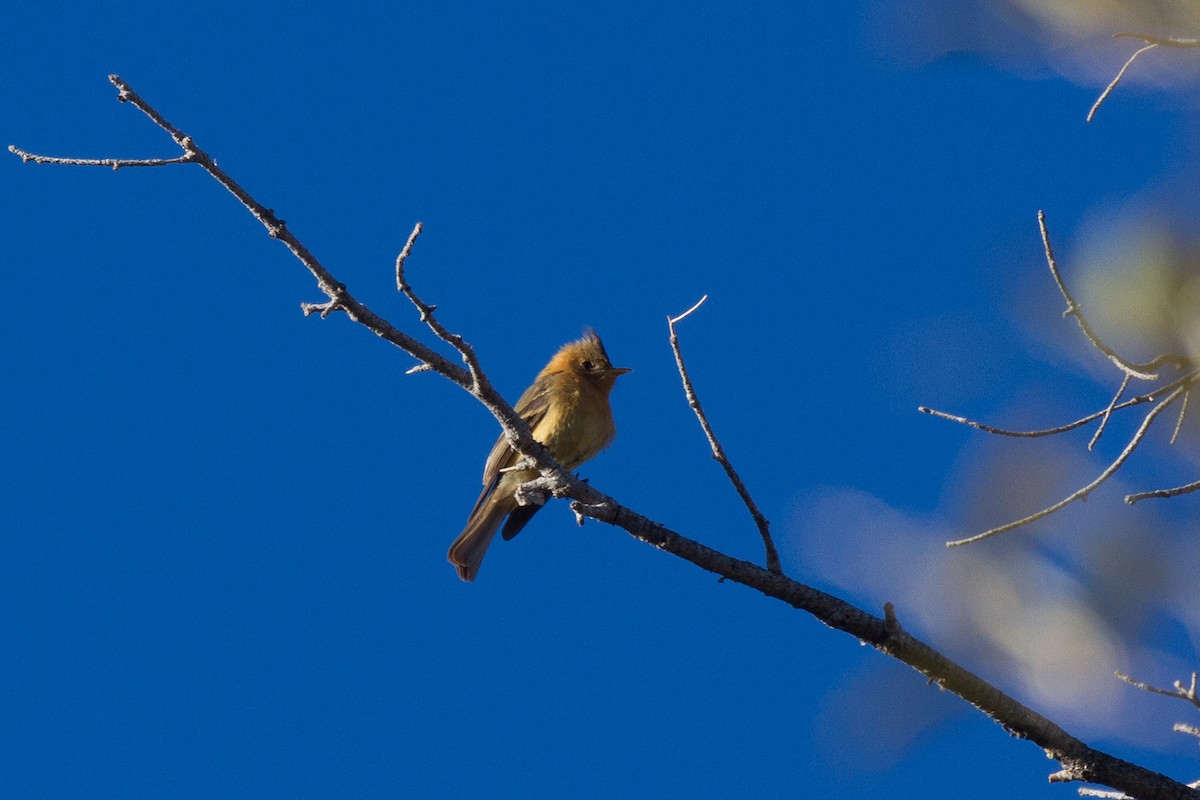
[619, 370]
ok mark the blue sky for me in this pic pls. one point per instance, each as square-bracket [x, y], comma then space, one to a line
[224, 524]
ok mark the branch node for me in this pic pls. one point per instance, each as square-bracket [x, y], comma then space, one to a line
[533, 493]
[525, 463]
[890, 624]
[324, 309]
[1063, 776]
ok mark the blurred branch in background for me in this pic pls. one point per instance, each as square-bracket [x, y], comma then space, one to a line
[1074, 38]
[1161, 397]
[1151, 43]
[1182, 692]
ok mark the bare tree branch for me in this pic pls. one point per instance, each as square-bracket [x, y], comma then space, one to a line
[426, 310]
[1107, 795]
[1079, 761]
[1070, 426]
[1108, 411]
[1082, 493]
[1144, 372]
[1113, 83]
[1162, 41]
[1151, 43]
[1180, 691]
[1162, 494]
[115, 163]
[1165, 395]
[1183, 409]
[718, 452]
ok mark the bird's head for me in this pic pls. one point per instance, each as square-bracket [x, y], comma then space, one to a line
[586, 358]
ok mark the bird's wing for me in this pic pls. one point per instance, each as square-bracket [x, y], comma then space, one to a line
[532, 408]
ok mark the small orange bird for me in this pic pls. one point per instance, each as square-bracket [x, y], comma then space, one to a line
[567, 409]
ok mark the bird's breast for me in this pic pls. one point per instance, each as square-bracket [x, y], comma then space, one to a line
[578, 423]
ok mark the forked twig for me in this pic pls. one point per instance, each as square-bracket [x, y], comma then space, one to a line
[1070, 426]
[472, 378]
[1180, 691]
[1165, 395]
[1082, 493]
[718, 452]
[464, 348]
[1150, 397]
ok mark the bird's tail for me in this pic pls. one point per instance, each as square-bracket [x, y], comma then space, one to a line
[471, 546]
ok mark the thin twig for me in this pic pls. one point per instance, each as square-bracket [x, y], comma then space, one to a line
[1182, 413]
[1163, 41]
[401, 284]
[339, 298]
[464, 348]
[1113, 84]
[472, 378]
[688, 313]
[1070, 426]
[1151, 43]
[1139, 371]
[1183, 693]
[115, 163]
[1086, 490]
[1108, 411]
[1161, 494]
[718, 452]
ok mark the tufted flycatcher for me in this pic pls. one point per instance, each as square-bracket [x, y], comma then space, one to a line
[567, 409]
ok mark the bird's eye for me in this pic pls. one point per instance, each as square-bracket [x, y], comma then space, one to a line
[588, 365]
